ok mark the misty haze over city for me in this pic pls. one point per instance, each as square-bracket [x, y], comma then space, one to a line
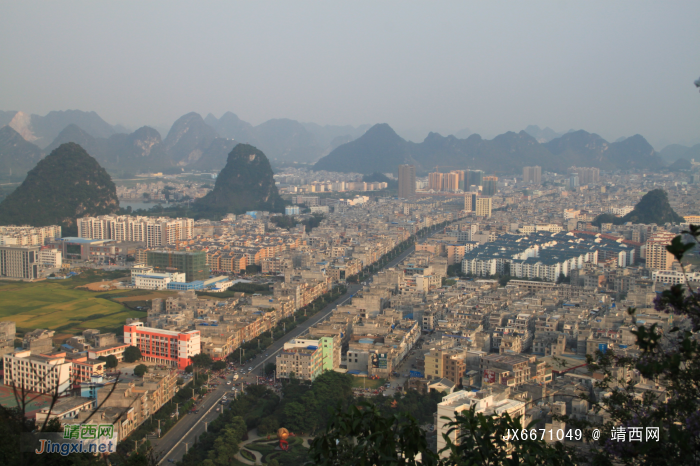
[454, 68]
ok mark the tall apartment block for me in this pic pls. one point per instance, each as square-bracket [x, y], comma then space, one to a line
[532, 174]
[154, 232]
[657, 257]
[483, 207]
[407, 181]
[474, 178]
[490, 185]
[470, 201]
[435, 181]
[450, 182]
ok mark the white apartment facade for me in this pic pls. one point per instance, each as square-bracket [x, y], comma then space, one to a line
[154, 232]
[26, 235]
[51, 258]
[38, 373]
[483, 402]
[673, 277]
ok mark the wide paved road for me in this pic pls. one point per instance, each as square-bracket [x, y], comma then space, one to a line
[173, 444]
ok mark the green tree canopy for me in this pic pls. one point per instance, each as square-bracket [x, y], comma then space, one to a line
[140, 370]
[132, 354]
[226, 445]
[110, 361]
[202, 361]
[218, 365]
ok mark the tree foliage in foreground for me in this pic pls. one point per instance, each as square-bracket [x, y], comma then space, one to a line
[670, 361]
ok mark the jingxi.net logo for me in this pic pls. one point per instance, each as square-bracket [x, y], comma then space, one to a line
[73, 439]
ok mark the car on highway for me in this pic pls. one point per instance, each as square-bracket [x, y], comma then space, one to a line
[250, 369]
[228, 382]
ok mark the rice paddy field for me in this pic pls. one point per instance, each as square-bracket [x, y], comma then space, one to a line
[61, 306]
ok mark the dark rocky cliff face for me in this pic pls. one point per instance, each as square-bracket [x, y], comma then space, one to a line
[65, 185]
[244, 184]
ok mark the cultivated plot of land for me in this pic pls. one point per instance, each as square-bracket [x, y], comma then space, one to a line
[59, 305]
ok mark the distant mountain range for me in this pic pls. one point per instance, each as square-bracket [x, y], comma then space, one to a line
[674, 152]
[204, 144]
[380, 149]
[193, 142]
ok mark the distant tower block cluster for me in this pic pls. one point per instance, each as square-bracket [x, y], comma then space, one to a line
[407, 181]
[447, 182]
[586, 175]
[532, 175]
[490, 185]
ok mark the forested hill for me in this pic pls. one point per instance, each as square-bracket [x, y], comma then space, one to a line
[63, 186]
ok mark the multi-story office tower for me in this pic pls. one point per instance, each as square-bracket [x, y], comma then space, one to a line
[435, 181]
[407, 181]
[450, 182]
[532, 174]
[19, 262]
[192, 263]
[483, 207]
[490, 185]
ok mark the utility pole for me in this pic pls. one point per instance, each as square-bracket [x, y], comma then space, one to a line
[177, 412]
[205, 426]
[158, 428]
[185, 448]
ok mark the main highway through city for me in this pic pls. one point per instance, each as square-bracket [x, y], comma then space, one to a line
[174, 444]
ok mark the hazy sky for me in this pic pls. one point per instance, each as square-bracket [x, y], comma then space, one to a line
[615, 68]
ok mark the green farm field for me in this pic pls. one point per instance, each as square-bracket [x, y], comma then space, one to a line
[58, 305]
